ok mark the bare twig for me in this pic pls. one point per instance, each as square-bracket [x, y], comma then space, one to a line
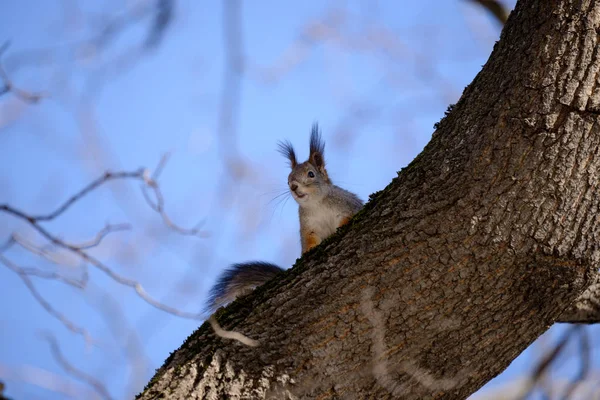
[108, 228]
[546, 361]
[76, 373]
[9, 85]
[494, 7]
[161, 11]
[8, 244]
[298, 51]
[43, 251]
[108, 176]
[151, 202]
[151, 182]
[585, 356]
[116, 277]
[105, 31]
[161, 165]
[230, 100]
[162, 19]
[126, 337]
[40, 299]
[47, 380]
[140, 174]
[30, 271]
[159, 208]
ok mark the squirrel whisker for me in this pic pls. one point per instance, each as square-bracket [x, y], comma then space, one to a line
[323, 208]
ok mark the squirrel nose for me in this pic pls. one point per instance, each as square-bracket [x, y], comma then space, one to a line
[293, 186]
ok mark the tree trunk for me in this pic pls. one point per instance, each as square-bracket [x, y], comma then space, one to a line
[459, 264]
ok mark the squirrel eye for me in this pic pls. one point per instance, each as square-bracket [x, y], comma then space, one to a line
[311, 174]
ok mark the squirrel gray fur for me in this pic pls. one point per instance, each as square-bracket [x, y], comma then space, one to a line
[323, 207]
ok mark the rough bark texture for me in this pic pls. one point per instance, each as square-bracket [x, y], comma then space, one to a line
[470, 254]
[586, 309]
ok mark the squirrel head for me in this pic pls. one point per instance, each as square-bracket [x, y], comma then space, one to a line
[308, 181]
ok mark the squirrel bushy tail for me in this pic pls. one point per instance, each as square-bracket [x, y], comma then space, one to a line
[323, 208]
[239, 280]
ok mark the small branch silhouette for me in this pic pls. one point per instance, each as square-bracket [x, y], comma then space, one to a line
[9, 86]
[149, 182]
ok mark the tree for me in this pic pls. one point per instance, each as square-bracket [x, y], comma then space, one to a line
[488, 237]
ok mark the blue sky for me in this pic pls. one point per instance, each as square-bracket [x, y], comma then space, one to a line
[376, 75]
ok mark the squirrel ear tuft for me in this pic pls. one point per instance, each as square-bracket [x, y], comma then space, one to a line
[287, 150]
[317, 147]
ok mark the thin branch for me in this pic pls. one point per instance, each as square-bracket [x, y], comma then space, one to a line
[118, 24]
[495, 8]
[108, 176]
[159, 205]
[45, 379]
[80, 251]
[115, 276]
[40, 299]
[106, 31]
[50, 275]
[162, 19]
[232, 84]
[76, 373]
[159, 208]
[547, 360]
[53, 257]
[161, 165]
[141, 174]
[79, 284]
[150, 202]
[552, 355]
[9, 85]
[124, 335]
[585, 356]
[9, 243]
[31, 271]
[108, 228]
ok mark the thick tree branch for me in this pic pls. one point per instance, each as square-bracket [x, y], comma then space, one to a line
[586, 309]
[458, 265]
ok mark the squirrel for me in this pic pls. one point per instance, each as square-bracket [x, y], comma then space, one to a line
[323, 208]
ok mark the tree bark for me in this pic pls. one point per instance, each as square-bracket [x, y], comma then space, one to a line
[479, 245]
[586, 309]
